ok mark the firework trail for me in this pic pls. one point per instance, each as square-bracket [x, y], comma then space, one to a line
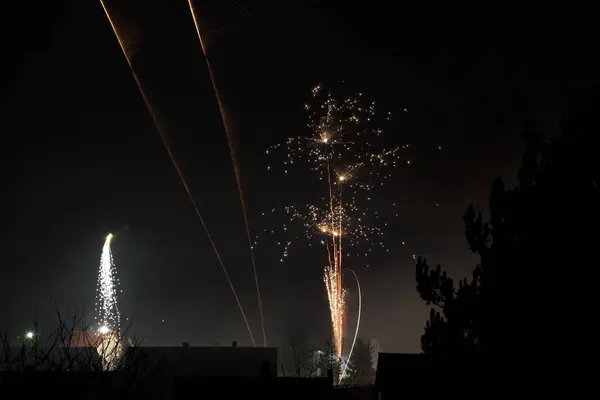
[235, 164]
[107, 308]
[357, 322]
[348, 157]
[176, 165]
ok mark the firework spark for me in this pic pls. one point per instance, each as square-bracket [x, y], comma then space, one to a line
[346, 153]
[107, 308]
[345, 150]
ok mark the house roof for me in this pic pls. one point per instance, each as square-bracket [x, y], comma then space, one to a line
[210, 361]
[87, 338]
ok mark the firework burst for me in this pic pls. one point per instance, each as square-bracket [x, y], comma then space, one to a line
[347, 154]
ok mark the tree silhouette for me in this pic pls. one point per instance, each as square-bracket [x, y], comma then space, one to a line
[362, 363]
[535, 236]
[74, 356]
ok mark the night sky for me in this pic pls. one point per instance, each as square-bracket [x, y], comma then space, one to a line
[83, 158]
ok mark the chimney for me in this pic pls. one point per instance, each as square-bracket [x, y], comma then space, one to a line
[186, 345]
[234, 344]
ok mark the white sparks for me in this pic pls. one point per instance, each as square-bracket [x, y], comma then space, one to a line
[107, 309]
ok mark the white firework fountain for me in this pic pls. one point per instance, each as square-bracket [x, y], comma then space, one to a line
[108, 316]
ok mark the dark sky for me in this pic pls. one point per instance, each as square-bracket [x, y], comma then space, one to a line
[83, 157]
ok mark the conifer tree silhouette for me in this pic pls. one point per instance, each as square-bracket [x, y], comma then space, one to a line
[525, 295]
[362, 363]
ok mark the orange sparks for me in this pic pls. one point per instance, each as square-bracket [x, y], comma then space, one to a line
[333, 273]
[235, 167]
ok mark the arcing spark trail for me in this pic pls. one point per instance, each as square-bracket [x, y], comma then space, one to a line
[107, 307]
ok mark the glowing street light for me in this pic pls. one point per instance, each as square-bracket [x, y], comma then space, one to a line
[29, 335]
